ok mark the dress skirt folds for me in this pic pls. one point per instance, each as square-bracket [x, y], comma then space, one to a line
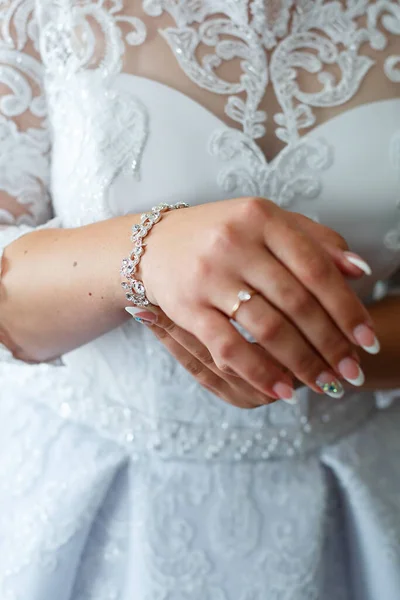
[84, 517]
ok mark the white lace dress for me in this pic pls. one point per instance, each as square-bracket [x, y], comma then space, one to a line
[121, 478]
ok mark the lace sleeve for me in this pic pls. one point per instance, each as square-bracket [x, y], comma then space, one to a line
[24, 137]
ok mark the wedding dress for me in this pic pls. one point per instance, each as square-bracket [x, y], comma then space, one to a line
[120, 477]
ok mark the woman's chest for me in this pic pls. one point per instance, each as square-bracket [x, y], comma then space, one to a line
[201, 101]
[273, 69]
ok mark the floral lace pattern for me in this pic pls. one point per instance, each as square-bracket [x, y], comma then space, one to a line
[24, 161]
[109, 127]
[34, 441]
[319, 35]
[312, 36]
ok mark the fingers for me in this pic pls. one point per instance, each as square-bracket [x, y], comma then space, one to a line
[279, 337]
[285, 342]
[229, 350]
[304, 312]
[206, 377]
[315, 271]
[319, 232]
[197, 360]
[189, 342]
[349, 263]
[198, 370]
[248, 394]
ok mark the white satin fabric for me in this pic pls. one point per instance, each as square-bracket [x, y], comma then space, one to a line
[120, 477]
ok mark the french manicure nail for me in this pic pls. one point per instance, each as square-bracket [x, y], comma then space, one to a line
[351, 371]
[357, 261]
[142, 315]
[366, 338]
[285, 392]
[330, 385]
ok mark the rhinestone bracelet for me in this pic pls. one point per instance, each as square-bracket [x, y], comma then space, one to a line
[134, 288]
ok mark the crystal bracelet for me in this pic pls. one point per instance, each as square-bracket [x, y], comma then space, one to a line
[134, 288]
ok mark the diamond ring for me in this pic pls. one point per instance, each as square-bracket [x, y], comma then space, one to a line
[243, 296]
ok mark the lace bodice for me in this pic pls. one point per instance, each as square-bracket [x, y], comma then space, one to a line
[270, 70]
[269, 78]
[198, 100]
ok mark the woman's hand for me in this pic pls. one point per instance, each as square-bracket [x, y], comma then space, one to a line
[349, 264]
[199, 259]
[195, 357]
[197, 360]
[60, 288]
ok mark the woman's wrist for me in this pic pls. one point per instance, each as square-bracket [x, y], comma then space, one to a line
[135, 291]
[61, 288]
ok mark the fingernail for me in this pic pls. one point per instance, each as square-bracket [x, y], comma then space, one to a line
[357, 261]
[351, 371]
[285, 392]
[366, 338]
[330, 385]
[141, 315]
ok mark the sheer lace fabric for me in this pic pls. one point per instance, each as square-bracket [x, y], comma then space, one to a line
[132, 480]
[25, 139]
[271, 78]
[274, 80]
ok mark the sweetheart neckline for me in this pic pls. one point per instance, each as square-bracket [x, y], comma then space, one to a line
[315, 131]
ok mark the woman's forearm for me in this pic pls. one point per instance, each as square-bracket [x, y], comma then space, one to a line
[60, 288]
[383, 370]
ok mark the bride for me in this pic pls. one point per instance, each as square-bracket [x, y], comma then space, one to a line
[261, 141]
